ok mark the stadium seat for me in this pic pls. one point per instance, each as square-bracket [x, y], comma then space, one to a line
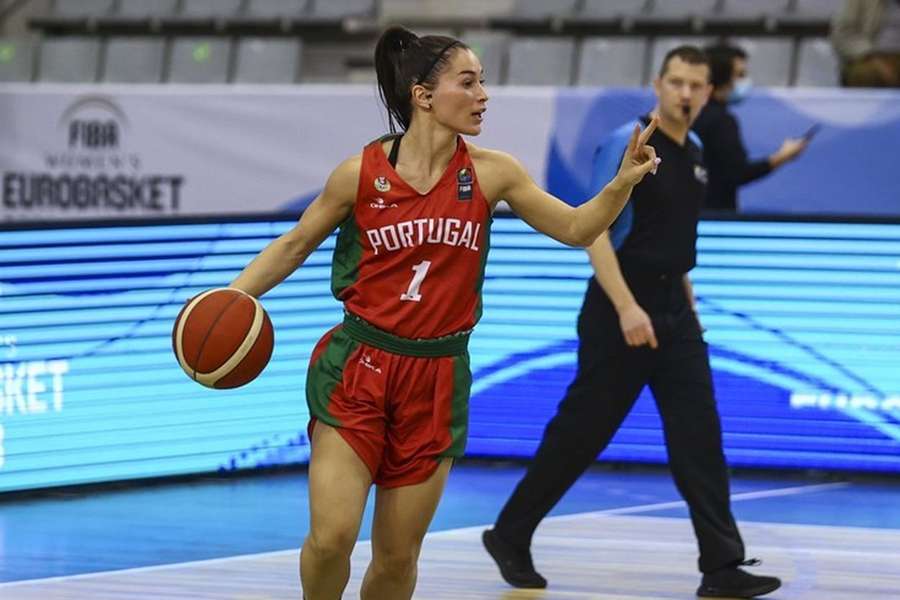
[491, 48]
[267, 60]
[146, 9]
[751, 11]
[16, 59]
[82, 8]
[199, 60]
[330, 61]
[817, 64]
[276, 9]
[541, 9]
[678, 11]
[69, 60]
[540, 61]
[133, 60]
[204, 9]
[614, 62]
[770, 59]
[611, 10]
[816, 10]
[442, 11]
[338, 9]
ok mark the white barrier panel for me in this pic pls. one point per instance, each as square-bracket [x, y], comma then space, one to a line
[100, 151]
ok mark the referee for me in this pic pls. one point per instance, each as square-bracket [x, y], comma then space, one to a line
[637, 326]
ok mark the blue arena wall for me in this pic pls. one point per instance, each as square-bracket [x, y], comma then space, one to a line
[802, 318]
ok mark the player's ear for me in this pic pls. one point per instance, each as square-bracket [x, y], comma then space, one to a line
[421, 97]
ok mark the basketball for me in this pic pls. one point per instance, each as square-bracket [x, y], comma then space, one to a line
[223, 338]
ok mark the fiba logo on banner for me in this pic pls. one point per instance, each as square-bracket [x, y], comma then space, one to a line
[89, 168]
[28, 387]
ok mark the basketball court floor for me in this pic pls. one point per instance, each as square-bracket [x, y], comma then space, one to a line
[619, 534]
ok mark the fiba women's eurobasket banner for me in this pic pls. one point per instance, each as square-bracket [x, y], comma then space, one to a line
[118, 152]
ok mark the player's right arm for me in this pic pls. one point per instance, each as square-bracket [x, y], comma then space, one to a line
[287, 252]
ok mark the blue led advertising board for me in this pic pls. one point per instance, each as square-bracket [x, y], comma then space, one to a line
[802, 318]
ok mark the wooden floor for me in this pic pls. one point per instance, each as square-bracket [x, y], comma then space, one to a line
[587, 556]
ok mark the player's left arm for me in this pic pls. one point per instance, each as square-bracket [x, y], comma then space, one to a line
[582, 225]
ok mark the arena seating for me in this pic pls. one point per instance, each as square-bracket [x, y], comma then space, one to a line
[579, 42]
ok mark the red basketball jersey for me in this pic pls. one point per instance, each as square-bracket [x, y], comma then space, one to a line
[413, 264]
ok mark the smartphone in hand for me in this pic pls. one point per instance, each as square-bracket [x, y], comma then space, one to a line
[811, 132]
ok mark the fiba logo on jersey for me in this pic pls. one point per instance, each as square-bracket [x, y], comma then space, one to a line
[464, 184]
[380, 204]
[382, 185]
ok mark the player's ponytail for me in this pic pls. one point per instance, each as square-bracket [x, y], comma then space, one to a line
[402, 60]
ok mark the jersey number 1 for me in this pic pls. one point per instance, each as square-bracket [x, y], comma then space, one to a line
[412, 294]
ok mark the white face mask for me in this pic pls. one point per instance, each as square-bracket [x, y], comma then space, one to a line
[741, 90]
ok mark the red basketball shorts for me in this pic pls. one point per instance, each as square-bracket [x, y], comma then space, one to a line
[402, 405]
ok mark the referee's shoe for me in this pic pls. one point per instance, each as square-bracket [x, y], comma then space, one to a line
[734, 582]
[514, 563]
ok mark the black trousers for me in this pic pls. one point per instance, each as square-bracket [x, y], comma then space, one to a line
[610, 377]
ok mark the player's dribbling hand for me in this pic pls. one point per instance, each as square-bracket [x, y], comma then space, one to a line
[639, 158]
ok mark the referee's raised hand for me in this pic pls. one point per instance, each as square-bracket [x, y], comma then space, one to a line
[639, 158]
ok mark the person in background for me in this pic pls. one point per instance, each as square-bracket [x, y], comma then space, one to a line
[723, 149]
[866, 37]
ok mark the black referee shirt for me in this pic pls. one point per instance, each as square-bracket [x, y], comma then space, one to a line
[664, 209]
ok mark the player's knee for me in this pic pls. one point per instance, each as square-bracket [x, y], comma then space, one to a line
[397, 563]
[332, 544]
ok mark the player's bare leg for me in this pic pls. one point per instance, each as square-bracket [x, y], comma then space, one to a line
[339, 484]
[402, 516]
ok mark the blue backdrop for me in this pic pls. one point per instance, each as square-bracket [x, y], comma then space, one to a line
[803, 323]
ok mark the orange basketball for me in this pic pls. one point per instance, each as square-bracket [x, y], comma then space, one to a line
[223, 338]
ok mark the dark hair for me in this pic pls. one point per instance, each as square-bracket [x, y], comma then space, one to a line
[692, 55]
[721, 63]
[402, 60]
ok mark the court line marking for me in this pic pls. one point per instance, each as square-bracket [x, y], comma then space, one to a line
[790, 491]
[778, 492]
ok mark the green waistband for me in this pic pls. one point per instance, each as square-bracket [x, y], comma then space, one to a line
[449, 345]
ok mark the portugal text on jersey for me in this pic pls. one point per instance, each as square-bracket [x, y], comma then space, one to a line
[407, 234]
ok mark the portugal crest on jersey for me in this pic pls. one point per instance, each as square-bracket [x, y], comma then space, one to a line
[382, 185]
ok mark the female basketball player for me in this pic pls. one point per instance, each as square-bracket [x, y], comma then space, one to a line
[388, 388]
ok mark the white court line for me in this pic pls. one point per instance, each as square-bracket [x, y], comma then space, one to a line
[627, 510]
[791, 491]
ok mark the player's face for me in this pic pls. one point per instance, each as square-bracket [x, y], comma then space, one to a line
[459, 99]
[682, 90]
